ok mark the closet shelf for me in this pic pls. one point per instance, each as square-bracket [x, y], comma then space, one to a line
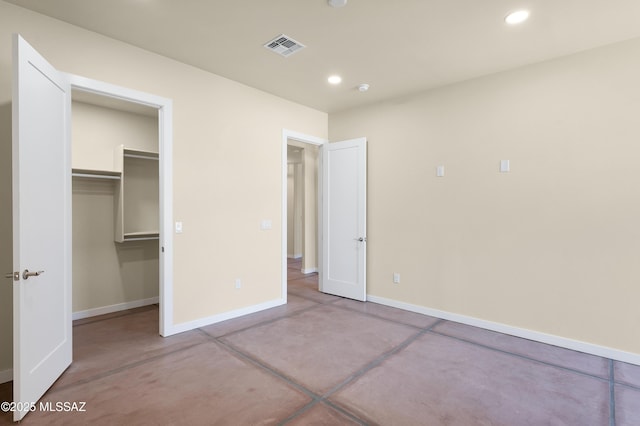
[137, 196]
[96, 174]
[144, 155]
[141, 235]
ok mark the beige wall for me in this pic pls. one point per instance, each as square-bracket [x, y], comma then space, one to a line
[106, 273]
[227, 159]
[97, 130]
[6, 248]
[552, 246]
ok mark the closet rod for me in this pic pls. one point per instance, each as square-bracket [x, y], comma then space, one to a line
[96, 176]
[140, 239]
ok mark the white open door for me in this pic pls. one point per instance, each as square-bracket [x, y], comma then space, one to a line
[344, 213]
[42, 336]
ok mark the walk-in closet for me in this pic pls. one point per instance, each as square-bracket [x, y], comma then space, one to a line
[115, 205]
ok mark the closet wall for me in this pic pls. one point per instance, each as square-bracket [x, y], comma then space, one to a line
[107, 273]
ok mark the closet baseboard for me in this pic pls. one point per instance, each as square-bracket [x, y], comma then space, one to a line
[114, 308]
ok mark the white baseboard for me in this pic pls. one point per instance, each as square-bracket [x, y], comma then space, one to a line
[309, 270]
[6, 375]
[551, 339]
[113, 308]
[186, 326]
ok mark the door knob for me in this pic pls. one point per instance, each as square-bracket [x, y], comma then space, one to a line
[360, 239]
[26, 274]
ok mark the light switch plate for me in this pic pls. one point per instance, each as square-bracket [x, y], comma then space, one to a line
[440, 171]
[266, 224]
[504, 166]
[178, 227]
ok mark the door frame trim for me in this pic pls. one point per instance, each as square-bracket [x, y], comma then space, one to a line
[312, 140]
[165, 146]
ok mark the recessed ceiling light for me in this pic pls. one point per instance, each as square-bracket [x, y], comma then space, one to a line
[335, 79]
[337, 3]
[517, 17]
[363, 87]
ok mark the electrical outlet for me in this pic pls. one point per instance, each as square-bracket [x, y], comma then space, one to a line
[396, 277]
[238, 283]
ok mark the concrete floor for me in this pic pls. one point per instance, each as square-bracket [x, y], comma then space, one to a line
[324, 360]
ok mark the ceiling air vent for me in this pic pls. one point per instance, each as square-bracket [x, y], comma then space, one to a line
[284, 45]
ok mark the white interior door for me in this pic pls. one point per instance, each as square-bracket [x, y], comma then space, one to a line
[42, 336]
[344, 213]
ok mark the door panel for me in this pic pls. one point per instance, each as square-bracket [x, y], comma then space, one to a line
[42, 346]
[344, 219]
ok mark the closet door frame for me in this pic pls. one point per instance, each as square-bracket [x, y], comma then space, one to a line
[165, 146]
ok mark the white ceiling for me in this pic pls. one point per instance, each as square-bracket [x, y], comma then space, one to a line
[396, 46]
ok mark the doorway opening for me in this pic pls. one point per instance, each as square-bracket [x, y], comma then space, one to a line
[341, 215]
[115, 209]
[139, 193]
[302, 217]
[301, 225]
